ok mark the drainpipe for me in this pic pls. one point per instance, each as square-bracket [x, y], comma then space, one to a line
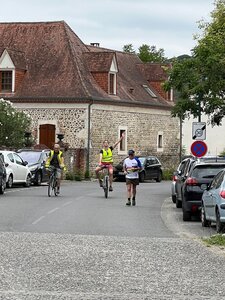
[181, 141]
[89, 139]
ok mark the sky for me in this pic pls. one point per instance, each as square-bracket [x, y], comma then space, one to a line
[167, 24]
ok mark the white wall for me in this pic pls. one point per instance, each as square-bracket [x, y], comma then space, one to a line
[215, 136]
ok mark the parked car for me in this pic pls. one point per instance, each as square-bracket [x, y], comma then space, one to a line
[36, 163]
[213, 203]
[200, 174]
[2, 175]
[174, 186]
[181, 176]
[183, 171]
[17, 171]
[151, 169]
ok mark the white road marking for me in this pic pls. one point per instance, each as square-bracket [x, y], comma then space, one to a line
[38, 220]
[67, 203]
[53, 210]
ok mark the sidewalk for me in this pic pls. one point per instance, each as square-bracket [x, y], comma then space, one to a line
[56, 266]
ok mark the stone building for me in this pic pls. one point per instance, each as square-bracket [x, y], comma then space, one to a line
[87, 93]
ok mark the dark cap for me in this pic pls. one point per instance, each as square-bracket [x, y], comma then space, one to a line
[131, 152]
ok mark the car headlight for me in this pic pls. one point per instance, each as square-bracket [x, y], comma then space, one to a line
[33, 169]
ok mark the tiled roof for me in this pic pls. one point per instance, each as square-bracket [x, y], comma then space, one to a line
[154, 71]
[98, 61]
[59, 65]
[17, 57]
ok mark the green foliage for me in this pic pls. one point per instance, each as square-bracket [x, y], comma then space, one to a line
[13, 125]
[216, 240]
[151, 54]
[128, 48]
[199, 80]
[74, 175]
[222, 153]
[147, 53]
[168, 174]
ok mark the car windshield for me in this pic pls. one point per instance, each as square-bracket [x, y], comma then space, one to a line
[30, 157]
[208, 171]
[142, 159]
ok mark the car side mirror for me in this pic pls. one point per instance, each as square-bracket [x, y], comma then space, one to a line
[25, 163]
[6, 165]
[222, 206]
[204, 187]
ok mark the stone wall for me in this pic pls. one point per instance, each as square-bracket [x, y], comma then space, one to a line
[143, 126]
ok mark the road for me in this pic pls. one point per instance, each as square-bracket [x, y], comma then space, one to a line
[83, 246]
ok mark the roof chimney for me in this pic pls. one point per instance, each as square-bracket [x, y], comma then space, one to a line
[95, 44]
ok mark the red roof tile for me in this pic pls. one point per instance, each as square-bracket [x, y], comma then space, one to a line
[59, 65]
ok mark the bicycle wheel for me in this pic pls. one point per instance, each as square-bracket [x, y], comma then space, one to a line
[55, 186]
[50, 185]
[106, 186]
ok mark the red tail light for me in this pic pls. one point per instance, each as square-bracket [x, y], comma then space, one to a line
[191, 181]
[222, 194]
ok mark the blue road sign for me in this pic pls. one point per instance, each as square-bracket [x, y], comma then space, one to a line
[199, 148]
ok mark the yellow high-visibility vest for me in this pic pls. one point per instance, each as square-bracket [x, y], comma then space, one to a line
[59, 157]
[107, 156]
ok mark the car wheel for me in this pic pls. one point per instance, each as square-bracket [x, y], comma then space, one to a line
[2, 186]
[9, 183]
[142, 177]
[178, 203]
[28, 181]
[219, 225]
[186, 215]
[205, 223]
[159, 178]
[38, 179]
[174, 198]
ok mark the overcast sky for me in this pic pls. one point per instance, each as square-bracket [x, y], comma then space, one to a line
[167, 24]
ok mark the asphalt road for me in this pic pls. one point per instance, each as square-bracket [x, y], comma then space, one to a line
[83, 246]
[82, 209]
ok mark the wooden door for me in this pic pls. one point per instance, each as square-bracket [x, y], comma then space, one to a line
[47, 135]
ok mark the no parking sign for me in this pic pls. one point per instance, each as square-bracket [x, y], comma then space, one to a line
[199, 148]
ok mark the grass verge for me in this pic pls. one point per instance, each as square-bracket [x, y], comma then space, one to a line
[215, 240]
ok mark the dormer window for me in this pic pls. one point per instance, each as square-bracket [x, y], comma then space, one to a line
[6, 81]
[113, 77]
[7, 73]
[112, 83]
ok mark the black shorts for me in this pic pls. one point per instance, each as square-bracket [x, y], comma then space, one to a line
[134, 181]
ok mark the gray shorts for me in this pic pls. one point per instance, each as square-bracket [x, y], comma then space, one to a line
[134, 181]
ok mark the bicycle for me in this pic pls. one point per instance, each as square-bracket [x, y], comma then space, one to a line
[52, 184]
[105, 183]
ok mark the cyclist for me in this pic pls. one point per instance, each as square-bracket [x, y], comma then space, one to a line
[131, 166]
[106, 160]
[55, 160]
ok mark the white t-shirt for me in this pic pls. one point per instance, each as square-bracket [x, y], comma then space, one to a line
[128, 166]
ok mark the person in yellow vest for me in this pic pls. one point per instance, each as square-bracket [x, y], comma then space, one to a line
[106, 160]
[56, 160]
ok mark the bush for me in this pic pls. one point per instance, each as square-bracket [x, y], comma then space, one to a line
[168, 174]
[75, 175]
[13, 125]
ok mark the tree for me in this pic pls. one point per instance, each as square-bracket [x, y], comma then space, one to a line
[147, 53]
[13, 125]
[151, 54]
[129, 49]
[200, 80]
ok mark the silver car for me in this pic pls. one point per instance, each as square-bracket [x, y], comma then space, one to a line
[213, 203]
